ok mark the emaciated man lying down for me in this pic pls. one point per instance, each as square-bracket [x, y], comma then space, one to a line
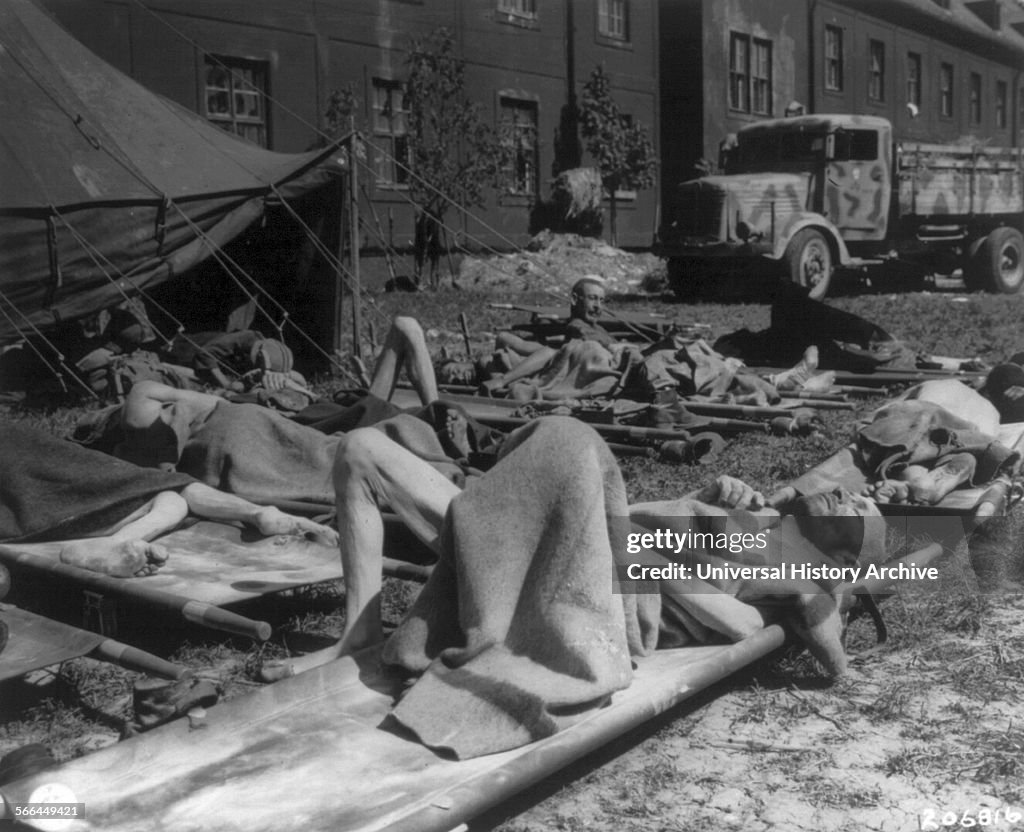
[518, 629]
[109, 511]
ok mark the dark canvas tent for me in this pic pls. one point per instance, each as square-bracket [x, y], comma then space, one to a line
[102, 179]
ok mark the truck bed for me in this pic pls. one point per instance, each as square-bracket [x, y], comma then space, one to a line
[938, 180]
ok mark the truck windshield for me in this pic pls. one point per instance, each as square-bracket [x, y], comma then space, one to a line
[766, 151]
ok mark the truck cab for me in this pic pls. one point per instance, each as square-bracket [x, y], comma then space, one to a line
[793, 190]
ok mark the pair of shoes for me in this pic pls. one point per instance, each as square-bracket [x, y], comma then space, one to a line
[158, 701]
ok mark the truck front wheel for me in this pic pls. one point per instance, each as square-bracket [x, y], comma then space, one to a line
[998, 264]
[808, 262]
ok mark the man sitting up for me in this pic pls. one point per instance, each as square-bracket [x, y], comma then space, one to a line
[109, 512]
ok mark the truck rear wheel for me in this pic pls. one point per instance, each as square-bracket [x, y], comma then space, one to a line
[998, 265]
[808, 261]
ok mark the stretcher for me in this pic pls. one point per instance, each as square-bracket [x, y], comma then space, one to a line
[35, 642]
[974, 503]
[316, 752]
[211, 565]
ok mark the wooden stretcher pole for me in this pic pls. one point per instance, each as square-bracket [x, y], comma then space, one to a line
[132, 658]
[474, 796]
[628, 432]
[134, 589]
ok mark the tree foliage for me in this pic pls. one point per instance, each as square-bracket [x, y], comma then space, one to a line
[454, 154]
[622, 149]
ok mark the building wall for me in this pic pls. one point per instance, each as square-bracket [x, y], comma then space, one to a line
[695, 69]
[313, 48]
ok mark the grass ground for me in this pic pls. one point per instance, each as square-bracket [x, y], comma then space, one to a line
[928, 722]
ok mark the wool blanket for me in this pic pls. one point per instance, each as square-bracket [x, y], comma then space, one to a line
[52, 489]
[517, 633]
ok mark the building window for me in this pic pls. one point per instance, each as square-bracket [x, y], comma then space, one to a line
[1000, 104]
[914, 79]
[761, 77]
[523, 9]
[974, 98]
[390, 133]
[833, 58]
[613, 19]
[519, 137]
[946, 90]
[236, 97]
[750, 74]
[739, 77]
[876, 70]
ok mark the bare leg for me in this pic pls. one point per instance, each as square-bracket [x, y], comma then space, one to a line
[406, 347]
[127, 552]
[204, 501]
[370, 471]
[533, 364]
[520, 346]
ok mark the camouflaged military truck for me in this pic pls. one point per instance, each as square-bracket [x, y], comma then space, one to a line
[805, 195]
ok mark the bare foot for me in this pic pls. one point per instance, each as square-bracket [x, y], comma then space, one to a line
[119, 558]
[821, 383]
[270, 521]
[921, 486]
[455, 434]
[798, 376]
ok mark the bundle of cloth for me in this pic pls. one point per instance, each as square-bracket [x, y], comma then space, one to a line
[520, 630]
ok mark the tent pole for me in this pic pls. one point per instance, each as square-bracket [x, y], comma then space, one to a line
[338, 320]
[357, 312]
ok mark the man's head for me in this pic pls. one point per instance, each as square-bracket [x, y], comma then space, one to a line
[842, 525]
[457, 372]
[587, 298]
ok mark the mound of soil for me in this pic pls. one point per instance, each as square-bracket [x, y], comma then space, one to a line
[556, 261]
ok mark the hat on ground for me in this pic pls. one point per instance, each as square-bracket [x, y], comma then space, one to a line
[270, 354]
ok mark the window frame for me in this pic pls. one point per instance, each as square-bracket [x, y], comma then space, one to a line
[232, 65]
[739, 79]
[915, 78]
[397, 179]
[975, 85]
[1001, 98]
[761, 86]
[514, 102]
[834, 61]
[876, 73]
[604, 29]
[517, 12]
[947, 89]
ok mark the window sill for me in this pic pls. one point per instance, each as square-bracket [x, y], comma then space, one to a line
[614, 43]
[517, 21]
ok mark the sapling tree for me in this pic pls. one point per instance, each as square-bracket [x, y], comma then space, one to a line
[622, 149]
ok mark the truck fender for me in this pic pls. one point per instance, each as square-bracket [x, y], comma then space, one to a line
[797, 222]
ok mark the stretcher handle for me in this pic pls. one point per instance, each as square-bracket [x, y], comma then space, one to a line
[132, 658]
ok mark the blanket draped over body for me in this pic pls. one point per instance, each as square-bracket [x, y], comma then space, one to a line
[913, 432]
[517, 633]
[52, 489]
